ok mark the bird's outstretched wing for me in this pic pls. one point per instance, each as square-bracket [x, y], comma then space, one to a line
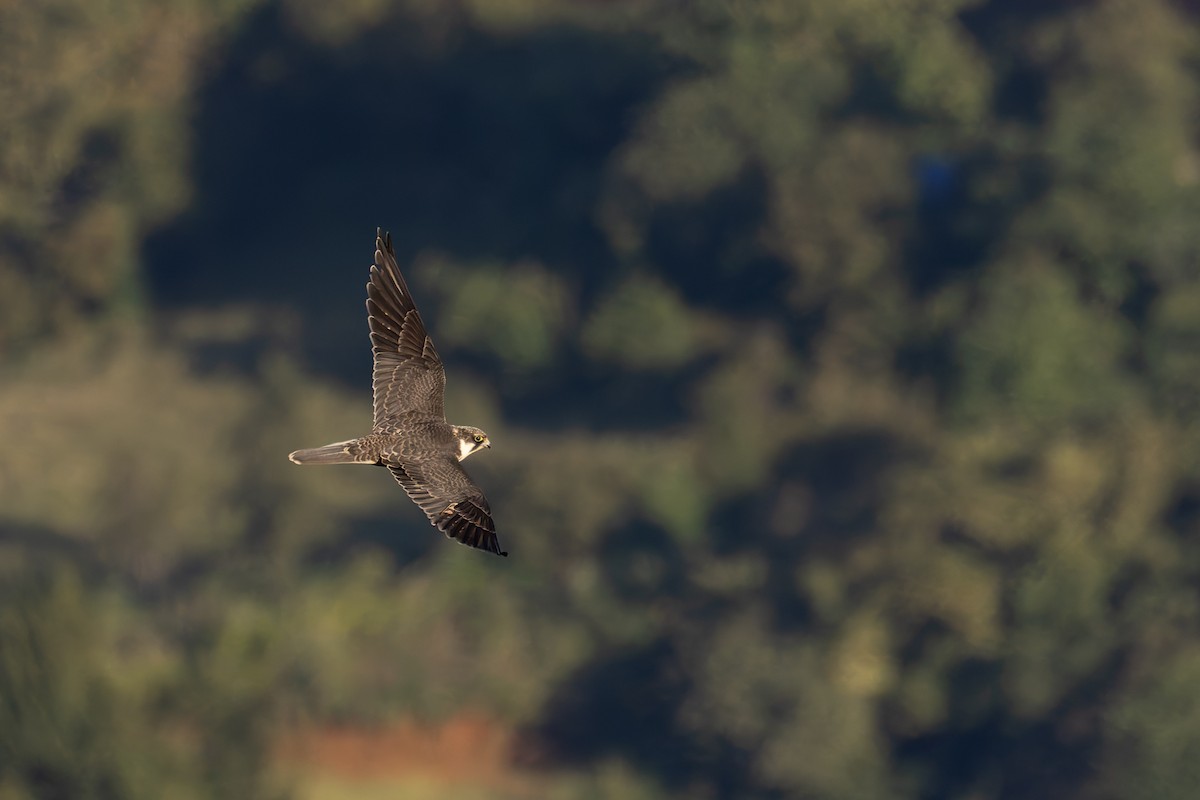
[408, 375]
[453, 503]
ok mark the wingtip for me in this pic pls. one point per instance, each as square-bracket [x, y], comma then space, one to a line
[383, 241]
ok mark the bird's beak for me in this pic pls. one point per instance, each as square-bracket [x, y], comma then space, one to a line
[488, 444]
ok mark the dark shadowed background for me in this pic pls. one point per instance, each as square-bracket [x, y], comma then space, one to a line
[841, 360]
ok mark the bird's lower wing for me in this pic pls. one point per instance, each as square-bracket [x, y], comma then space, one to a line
[453, 503]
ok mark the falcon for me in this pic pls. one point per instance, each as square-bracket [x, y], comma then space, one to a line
[410, 435]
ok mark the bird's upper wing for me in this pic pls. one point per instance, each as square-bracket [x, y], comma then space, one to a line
[453, 503]
[408, 373]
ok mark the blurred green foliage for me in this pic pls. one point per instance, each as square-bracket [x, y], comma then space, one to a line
[841, 360]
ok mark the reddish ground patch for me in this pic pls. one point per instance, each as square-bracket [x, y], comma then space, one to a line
[467, 748]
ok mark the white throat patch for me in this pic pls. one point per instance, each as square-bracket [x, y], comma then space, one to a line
[465, 448]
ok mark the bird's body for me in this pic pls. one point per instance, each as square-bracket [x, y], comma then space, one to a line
[410, 435]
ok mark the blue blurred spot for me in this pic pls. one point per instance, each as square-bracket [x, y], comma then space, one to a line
[936, 179]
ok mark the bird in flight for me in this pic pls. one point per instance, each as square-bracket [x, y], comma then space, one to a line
[410, 435]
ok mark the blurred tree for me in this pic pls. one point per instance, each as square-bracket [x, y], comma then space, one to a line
[88, 696]
[93, 149]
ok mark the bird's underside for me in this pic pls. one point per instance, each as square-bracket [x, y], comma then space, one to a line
[410, 435]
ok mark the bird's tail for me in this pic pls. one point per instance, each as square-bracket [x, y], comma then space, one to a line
[336, 453]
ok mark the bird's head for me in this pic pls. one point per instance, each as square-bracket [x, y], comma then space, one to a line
[470, 440]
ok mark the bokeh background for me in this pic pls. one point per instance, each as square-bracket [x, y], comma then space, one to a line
[842, 361]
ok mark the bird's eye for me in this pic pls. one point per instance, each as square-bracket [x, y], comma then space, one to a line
[479, 437]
